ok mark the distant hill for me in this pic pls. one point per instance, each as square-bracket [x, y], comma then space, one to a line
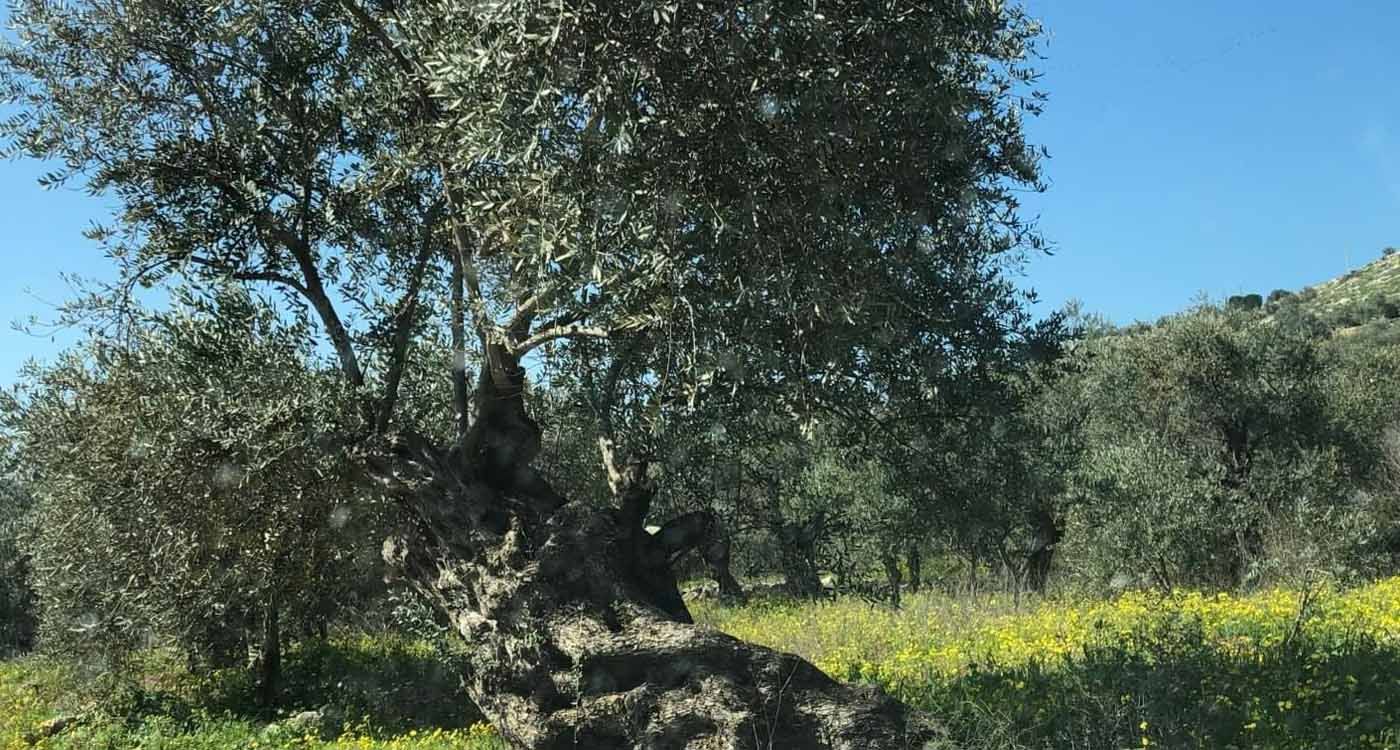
[1363, 303]
[1370, 286]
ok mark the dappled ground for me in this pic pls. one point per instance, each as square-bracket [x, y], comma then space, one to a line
[1278, 669]
[354, 692]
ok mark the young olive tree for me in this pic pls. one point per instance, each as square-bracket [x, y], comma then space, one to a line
[973, 472]
[812, 201]
[188, 490]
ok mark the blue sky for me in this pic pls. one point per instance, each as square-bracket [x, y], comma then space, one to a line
[1222, 147]
[1217, 147]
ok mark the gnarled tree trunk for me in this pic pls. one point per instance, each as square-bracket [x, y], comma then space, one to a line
[797, 544]
[796, 555]
[578, 636]
[270, 656]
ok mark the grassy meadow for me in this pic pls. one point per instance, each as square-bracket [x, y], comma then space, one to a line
[1276, 669]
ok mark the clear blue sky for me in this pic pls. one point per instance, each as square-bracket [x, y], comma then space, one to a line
[1200, 146]
[1223, 147]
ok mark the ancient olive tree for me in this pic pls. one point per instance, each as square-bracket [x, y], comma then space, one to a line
[815, 200]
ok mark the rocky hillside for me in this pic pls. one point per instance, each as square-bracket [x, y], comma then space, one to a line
[1363, 303]
[1366, 292]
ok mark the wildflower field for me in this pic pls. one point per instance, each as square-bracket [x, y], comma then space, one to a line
[1276, 669]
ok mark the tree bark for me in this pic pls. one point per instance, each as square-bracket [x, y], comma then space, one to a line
[797, 544]
[893, 575]
[972, 574]
[458, 314]
[915, 558]
[795, 555]
[716, 555]
[577, 633]
[1042, 554]
[270, 659]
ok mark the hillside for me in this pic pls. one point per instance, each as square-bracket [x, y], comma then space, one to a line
[1377, 281]
[1363, 303]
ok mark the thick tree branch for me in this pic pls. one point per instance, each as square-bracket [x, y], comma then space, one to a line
[629, 483]
[270, 277]
[460, 396]
[525, 311]
[311, 287]
[573, 331]
[684, 533]
[700, 530]
[374, 28]
[405, 314]
[316, 294]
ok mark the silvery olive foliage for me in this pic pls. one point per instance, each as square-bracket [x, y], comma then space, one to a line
[187, 479]
[808, 197]
[1214, 442]
[237, 142]
[739, 180]
[18, 605]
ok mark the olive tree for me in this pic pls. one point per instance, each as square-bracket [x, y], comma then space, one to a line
[1208, 433]
[1363, 388]
[187, 489]
[791, 197]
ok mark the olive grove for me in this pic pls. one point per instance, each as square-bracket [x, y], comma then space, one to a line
[809, 206]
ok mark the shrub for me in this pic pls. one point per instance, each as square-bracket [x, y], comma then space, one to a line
[18, 604]
[1207, 433]
[1244, 302]
[346, 693]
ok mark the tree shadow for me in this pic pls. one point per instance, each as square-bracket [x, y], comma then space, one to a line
[383, 685]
